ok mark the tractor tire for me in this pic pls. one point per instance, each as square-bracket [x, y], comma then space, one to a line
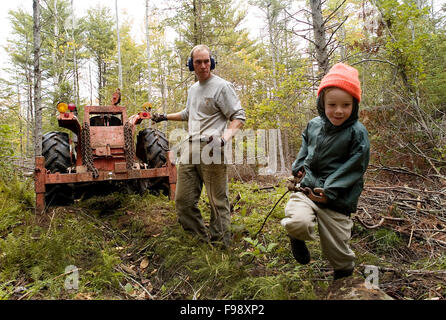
[58, 158]
[151, 147]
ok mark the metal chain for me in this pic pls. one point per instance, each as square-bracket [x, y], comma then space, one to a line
[87, 153]
[128, 146]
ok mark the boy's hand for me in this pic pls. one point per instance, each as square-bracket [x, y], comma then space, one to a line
[317, 196]
[300, 175]
[291, 183]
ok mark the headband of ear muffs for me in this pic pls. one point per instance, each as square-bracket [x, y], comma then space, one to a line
[190, 63]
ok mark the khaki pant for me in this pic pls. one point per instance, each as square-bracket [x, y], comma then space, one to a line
[190, 180]
[334, 229]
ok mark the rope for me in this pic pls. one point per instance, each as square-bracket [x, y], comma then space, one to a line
[255, 236]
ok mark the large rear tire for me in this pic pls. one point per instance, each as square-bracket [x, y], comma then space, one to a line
[151, 147]
[58, 158]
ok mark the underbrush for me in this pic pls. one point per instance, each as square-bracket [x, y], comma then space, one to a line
[125, 246]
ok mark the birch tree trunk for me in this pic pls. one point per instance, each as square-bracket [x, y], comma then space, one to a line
[37, 80]
[319, 37]
[272, 13]
[286, 143]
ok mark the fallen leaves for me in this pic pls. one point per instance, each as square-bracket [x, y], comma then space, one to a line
[144, 263]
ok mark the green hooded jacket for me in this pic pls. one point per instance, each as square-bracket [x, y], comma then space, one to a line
[335, 158]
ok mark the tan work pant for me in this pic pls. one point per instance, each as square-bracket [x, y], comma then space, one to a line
[190, 180]
[301, 215]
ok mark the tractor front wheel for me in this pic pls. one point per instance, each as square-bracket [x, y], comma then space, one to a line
[151, 147]
[56, 150]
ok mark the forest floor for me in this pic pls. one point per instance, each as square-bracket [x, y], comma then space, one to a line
[124, 246]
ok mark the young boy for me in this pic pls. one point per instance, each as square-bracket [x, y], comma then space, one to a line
[330, 165]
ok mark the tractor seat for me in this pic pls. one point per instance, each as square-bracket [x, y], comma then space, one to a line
[105, 121]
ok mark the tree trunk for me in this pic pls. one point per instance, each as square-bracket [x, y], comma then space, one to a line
[319, 37]
[37, 80]
[149, 71]
[75, 71]
[91, 84]
[163, 93]
[100, 80]
[272, 21]
[119, 46]
[55, 67]
[19, 106]
[198, 26]
[29, 110]
[53, 53]
[272, 13]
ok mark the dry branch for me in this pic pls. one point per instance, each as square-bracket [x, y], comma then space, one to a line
[420, 272]
[415, 213]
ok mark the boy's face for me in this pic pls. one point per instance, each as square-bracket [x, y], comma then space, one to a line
[338, 105]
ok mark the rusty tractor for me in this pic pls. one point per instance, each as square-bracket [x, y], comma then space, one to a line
[101, 153]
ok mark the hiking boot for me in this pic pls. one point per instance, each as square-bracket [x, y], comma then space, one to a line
[339, 274]
[300, 251]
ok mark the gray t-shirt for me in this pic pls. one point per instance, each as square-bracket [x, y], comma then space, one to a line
[209, 107]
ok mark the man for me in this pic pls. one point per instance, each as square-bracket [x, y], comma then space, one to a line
[211, 103]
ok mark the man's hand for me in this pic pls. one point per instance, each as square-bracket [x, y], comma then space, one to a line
[158, 117]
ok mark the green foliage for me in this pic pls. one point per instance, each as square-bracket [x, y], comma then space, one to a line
[397, 47]
[259, 250]
[6, 134]
[100, 42]
[101, 236]
[42, 254]
[386, 240]
[16, 197]
[407, 37]
[282, 287]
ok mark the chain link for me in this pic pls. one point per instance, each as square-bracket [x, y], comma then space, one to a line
[128, 146]
[87, 153]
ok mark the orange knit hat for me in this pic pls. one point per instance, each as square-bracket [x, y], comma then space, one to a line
[342, 76]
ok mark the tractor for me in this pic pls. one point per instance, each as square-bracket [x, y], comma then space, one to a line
[101, 153]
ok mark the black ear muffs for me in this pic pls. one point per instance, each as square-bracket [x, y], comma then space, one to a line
[190, 63]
